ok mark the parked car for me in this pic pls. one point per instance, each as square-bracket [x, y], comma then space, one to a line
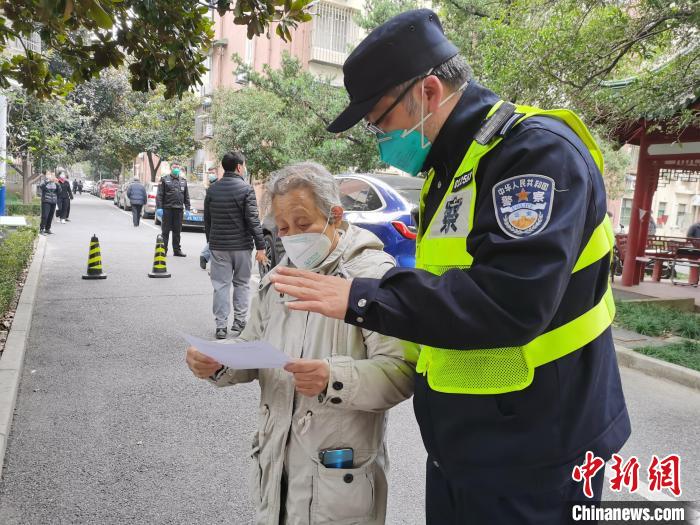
[108, 189]
[124, 202]
[383, 204]
[195, 216]
[88, 186]
[149, 209]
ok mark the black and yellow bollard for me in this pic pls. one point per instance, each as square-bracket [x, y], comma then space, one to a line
[94, 269]
[160, 269]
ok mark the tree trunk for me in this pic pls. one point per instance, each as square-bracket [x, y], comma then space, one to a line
[154, 169]
[28, 178]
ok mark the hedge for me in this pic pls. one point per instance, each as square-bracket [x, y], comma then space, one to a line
[15, 251]
[17, 208]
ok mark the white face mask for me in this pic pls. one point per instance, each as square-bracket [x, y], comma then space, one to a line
[307, 250]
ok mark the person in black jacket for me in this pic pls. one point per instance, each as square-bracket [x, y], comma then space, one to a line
[516, 224]
[50, 192]
[172, 196]
[232, 227]
[205, 254]
[63, 207]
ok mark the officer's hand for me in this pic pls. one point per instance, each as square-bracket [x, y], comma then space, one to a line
[310, 375]
[201, 365]
[323, 294]
[261, 257]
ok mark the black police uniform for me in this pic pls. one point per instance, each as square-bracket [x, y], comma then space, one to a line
[506, 458]
[172, 196]
[497, 458]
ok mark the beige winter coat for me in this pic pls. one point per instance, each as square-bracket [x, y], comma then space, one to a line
[367, 377]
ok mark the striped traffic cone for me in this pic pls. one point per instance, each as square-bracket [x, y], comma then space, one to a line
[160, 269]
[94, 269]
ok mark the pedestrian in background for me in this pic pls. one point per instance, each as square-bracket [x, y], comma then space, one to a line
[173, 197]
[64, 198]
[232, 228]
[50, 192]
[694, 231]
[136, 192]
[205, 255]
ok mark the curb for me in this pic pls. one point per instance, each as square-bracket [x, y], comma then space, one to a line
[656, 368]
[13, 356]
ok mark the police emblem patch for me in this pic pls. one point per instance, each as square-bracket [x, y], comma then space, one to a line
[523, 204]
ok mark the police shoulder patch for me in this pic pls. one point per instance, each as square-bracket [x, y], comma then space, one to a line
[523, 204]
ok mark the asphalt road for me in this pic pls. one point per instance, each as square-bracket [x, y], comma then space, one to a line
[112, 428]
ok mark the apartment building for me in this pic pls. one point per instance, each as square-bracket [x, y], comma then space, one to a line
[321, 45]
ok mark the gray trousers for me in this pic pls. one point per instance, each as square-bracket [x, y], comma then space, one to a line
[230, 268]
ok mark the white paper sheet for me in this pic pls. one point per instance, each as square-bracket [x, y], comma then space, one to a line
[256, 354]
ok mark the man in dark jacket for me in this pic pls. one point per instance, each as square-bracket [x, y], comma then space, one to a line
[172, 197]
[64, 198]
[50, 192]
[205, 254]
[232, 227]
[137, 198]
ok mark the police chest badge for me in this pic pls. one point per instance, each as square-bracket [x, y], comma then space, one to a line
[452, 218]
[523, 204]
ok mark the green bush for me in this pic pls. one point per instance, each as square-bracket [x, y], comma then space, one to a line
[654, 320]
[684, 353]
[15, 252]
[17, 208]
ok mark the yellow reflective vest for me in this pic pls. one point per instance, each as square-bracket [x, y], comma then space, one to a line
[500, 370]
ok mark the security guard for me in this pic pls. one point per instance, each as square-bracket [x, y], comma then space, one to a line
[172, 196]
[516, 373]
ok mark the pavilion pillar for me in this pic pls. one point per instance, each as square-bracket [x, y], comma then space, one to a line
[642, 195]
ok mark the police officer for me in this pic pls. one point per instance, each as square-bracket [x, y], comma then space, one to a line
[510, 303]
[172, 196]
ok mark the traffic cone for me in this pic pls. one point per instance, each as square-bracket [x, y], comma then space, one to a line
[94, 269]
[160, 269]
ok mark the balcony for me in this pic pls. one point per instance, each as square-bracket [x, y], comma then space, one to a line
[14, 46]
[203, 127]
[334, 34]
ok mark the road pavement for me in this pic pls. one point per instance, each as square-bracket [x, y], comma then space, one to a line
[112, 428]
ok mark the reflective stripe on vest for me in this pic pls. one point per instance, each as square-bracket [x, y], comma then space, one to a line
[441, 248]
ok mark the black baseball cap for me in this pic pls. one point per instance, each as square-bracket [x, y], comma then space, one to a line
[407, 46]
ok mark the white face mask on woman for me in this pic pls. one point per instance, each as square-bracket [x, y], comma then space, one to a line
[307, 250]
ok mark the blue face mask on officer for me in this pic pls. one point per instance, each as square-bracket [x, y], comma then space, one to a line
[175, 172]
[407, 149]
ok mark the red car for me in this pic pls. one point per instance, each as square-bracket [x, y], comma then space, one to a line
[107, 189]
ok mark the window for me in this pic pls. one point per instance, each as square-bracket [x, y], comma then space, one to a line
[626, 212]
[680, 216]
[662, 210]
[334, 33]
[357, 195]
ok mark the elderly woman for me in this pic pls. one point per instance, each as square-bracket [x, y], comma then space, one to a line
[319, 452]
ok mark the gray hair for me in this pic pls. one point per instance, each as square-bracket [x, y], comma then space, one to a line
[308, 175]
[453, 72]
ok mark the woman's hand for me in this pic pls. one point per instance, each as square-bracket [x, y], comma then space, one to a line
[201, 365]
[310, 375]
